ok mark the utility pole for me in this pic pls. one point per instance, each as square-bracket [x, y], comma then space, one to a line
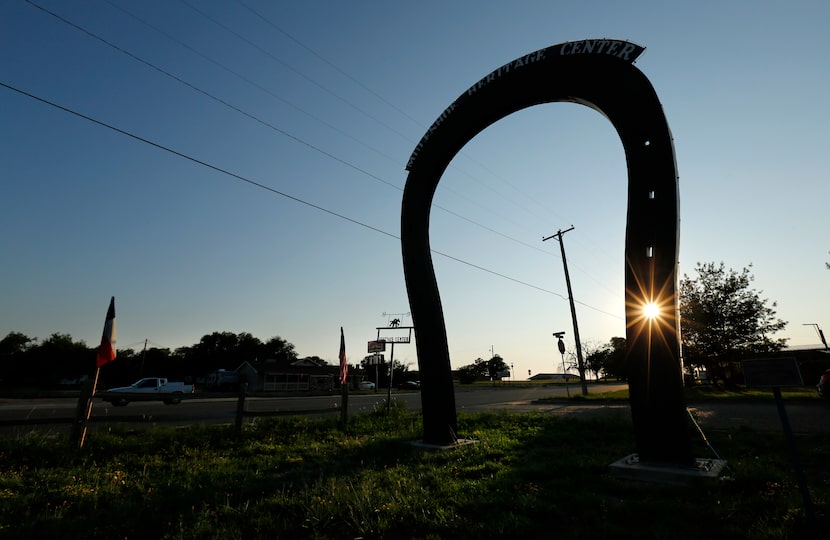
[820, 333]
[143, 356]
[580, 363]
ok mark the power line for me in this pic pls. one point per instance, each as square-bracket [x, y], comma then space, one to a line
[263, 186]
[296, 71]
[400, 111]
[261, 121]
[245, 79]
[196, 160]
[403, 113]
[323, 122]
[276, 129]
[213, 97]
[330, 63]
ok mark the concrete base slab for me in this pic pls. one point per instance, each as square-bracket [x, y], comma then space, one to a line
[630, 468]
[434, 447]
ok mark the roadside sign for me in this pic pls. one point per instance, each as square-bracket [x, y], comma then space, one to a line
[377, 346]
[374, 359]
[396, 339]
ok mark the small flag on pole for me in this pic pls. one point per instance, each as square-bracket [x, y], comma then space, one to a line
[106, 351]
[344, 366]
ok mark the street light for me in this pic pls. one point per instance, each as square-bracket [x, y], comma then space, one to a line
[561, 344]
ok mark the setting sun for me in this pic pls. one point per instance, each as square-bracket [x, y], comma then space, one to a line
[651, 310]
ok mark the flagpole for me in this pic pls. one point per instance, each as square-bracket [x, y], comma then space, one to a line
[89, 407]
[106, 353]
[344, 404]
[344, 381]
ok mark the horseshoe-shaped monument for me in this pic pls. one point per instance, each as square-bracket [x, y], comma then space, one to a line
[600, 74]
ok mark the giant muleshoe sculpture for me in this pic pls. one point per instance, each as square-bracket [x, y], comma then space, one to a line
[600, 74]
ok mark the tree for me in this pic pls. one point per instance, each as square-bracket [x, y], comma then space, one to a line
[248, 348]
[25, 361]
[280, 350]
[495, 366]
[595, 360]
[15, 343]
[58, 357]
[317, 360]
[722, 320]
[616, 365]
[158, 362]
[469, 373]
[608, 359]
[594, 357]
[14, 350]
[482, 369]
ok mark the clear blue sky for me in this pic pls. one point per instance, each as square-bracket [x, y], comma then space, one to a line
[324, 101]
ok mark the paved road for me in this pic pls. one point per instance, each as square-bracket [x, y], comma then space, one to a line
[52, 414]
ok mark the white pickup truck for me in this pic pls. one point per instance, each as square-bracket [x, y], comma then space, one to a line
[148, 389]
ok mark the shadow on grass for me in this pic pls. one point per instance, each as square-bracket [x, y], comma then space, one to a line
[529, 475]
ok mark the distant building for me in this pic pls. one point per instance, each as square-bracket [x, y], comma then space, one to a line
[812, 361]
[303, 375]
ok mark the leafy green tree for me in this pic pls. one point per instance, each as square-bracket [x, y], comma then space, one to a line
[608, 359]
[616, 365]
[248, 348]
[723, 320]
[469, 374]
[495, 366]
[482, 370]
[279, 349]
[14, 349]
[400, 371]
[595, 359]
[15, 343]
[122, 371]
[157, 362]
[59, 357]
[187, 360]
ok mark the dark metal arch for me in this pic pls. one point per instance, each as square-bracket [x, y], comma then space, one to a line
[598, 74]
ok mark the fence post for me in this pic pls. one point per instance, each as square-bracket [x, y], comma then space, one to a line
[79, 423]
[240, 407]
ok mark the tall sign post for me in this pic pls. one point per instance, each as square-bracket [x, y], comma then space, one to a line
[376, 358]
[561, 345]
[392, 340]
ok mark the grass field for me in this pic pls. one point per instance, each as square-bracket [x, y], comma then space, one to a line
[528, 475]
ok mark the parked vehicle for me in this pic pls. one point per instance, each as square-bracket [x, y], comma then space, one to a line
[366, 385]
[409, 385]
[148, 389]
[222, 380]
[823, 385]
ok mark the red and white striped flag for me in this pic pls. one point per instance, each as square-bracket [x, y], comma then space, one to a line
[344, 366]
[106, 351]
